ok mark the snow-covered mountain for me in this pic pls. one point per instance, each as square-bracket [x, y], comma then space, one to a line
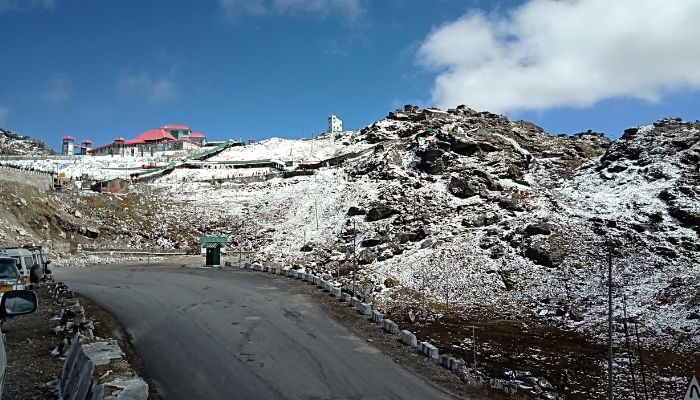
[494, 212]
[498, 217]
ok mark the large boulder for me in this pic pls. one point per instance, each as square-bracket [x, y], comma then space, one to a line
[371, 242]
[545, 253]
[380, 211]
[540, 228]
[511, 204]
[488, 147]
[412, 236]
[366, 256]
[483, 219]
[353, 211]
[431, 160]
[92, 232]
[463, 187]
[465, 148]
[471, 183]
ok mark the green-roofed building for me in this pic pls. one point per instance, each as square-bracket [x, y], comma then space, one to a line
[212, 245]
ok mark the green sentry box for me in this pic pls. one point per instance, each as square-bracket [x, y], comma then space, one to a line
[213, 245]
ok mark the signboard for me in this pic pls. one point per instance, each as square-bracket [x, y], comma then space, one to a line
[693, 392]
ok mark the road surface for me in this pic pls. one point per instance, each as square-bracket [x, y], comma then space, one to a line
[213, 334]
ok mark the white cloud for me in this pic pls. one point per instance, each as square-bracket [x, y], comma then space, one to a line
[549, 53]
[334, 49]
[350, 9]
[4, 114]
[56, 91]
[22, 5]
[154, 90]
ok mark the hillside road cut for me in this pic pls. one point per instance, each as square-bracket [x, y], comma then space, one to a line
[221, 334]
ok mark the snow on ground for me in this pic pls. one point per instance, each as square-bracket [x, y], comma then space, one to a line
[208, 174]
[96, 167]
[288, 206]
[320, 148]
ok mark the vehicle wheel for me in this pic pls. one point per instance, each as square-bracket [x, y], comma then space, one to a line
[35, 275]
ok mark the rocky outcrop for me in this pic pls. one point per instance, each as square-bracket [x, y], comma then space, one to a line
[472, 183]
[380, 211]
[14, 144]
[353, 211]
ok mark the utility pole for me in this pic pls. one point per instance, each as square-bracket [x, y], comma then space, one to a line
[354, 256]
[446, 276]
[641, 362]
[474, 328]
[422, 293]
[627, 345]
[316, 211]
[610, 336]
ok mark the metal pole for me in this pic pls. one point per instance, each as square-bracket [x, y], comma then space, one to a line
[641, 362]
[422, 293]
[354, 256]
[474, 328]
[610, 337]
[316, 211]
[627, 345]
[240, 245]
[474, 345]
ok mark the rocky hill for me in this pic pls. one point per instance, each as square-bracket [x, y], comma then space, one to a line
[13, 144]
[505, 213]
[459, 217]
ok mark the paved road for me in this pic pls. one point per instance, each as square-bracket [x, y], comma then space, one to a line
[212, 334]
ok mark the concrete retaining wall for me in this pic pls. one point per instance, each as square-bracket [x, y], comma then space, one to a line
[41, 180]
[76, 377]
[377, 316]
[408, 338]
[429, 350]
[364, 309]
[354, 302]
[390, 326]
[78, 383]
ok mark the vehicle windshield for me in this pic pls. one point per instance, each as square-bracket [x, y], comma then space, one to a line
[8, 269]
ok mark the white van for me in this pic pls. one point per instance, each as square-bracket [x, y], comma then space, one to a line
[25, 263]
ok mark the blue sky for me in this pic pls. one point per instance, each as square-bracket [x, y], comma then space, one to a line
[262, 68]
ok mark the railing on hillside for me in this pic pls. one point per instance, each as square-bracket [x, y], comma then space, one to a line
[204, 155]
[35, 157]
[124, 251]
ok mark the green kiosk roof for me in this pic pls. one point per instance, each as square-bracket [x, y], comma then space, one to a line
[210, 242]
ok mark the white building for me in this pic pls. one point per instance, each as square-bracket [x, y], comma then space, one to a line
[335, 124]
[67, 149]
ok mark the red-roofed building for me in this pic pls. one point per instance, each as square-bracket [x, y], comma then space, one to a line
[199, 138]
[155, 135]
[85, 146]
[178, 131]
[166, 138]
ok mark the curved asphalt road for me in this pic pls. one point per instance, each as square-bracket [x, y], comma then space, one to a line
[212, 334]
